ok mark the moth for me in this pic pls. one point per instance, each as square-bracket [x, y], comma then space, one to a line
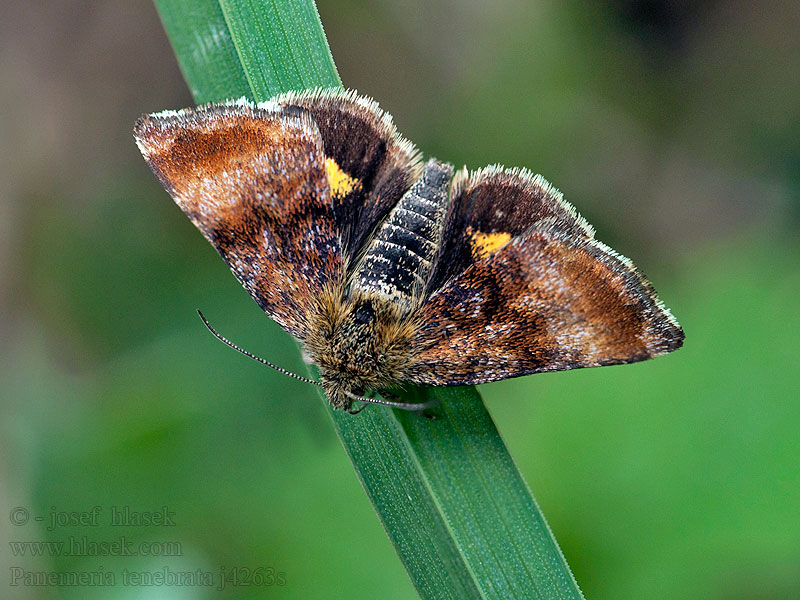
[390, 269]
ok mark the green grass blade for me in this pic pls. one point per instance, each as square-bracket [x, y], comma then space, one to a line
[493, 517]
[206, 54]
[281, 44]
[446, 490]
[396, 484]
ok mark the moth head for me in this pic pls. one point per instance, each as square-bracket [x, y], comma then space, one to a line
[360, 343]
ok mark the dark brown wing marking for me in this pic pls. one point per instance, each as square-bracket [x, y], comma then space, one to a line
[550, 300]
[373, 164]
[489, 208]
[253, 181]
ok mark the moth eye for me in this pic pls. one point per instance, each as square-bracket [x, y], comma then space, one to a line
[365, 314]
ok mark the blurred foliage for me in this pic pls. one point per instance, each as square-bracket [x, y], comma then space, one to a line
[672, 126]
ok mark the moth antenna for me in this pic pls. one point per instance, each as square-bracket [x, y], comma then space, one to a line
[227, 342]
[414, 406]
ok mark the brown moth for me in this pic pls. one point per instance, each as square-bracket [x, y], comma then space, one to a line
[389, 269]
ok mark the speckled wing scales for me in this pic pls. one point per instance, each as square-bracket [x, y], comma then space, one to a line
[370, 165]
[541, 294]
[253, 180]
[491, 206]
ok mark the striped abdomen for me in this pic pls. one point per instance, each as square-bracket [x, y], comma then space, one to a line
[400, 257]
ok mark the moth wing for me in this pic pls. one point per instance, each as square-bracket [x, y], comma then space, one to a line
[252, 179]
[552, 299]
[490, 207]
[370, 165]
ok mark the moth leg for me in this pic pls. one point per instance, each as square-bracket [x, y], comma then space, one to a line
[355, 411]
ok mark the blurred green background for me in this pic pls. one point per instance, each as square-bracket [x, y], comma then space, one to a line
[673, 126]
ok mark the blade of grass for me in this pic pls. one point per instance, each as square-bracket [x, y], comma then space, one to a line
[492, 514]
[446, 490]
[281, 45]
[205, 51]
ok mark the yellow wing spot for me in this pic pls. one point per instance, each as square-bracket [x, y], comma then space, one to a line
[339, 182]
[484, 244]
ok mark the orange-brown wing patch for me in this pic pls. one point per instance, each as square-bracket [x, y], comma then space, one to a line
[550, 300]
[253, 180]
